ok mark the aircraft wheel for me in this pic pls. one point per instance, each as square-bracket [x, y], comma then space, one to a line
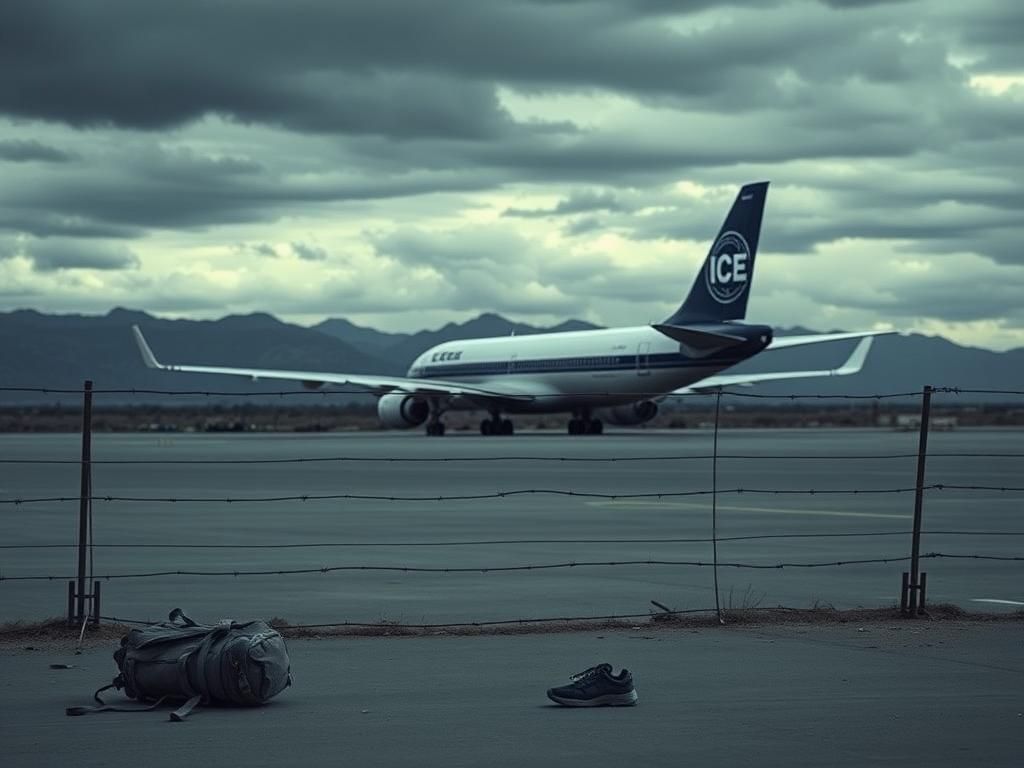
[507, 428]
[486, 427]
[436, 429]
[595, 427]
[575, 426]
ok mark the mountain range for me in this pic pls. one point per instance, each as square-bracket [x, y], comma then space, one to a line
[51, 352]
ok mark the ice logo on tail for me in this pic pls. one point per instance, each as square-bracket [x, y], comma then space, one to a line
[728, 270]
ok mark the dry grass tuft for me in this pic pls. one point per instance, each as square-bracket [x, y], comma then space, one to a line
[56, 633]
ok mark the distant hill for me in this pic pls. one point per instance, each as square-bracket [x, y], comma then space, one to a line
[403, 348]
[895, 364]
[367, 339]
[482, 327]
[60, 351]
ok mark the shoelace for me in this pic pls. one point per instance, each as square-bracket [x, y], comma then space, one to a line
[584, 675]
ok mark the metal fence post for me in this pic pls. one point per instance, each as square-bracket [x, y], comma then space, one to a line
[95, 602]
[86, 493]
[915, 550]
[714, 506]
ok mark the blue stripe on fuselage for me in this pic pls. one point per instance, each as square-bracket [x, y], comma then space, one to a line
[591, 364]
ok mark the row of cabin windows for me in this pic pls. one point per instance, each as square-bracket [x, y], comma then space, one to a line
[561, 364]
[569, 362]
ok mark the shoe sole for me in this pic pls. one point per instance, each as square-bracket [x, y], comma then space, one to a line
[608, 700]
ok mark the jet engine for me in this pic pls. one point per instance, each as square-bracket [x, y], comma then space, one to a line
[631, 414]
[398, 411]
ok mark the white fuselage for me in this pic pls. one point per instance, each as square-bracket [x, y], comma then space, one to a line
[568, 370]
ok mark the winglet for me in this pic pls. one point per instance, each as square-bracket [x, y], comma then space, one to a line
[856, 359]
[147, 354]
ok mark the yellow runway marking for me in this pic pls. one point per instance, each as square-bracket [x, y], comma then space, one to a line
[644, 504]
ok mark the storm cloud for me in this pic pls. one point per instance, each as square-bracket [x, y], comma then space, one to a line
[31, 151]
[55, 254]
[413, 163]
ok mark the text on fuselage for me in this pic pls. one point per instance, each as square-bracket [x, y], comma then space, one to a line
[440, 357]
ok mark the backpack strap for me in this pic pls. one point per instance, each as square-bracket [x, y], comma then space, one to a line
[201, 655]
[185, 709]
[104, 707]
[177, 614]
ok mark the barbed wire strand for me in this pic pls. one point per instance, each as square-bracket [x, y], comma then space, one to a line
[516, 458]
[650, 495]
[512, 568]
[512, 542]
[323, 393]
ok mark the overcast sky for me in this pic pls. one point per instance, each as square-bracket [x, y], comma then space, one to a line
[403, 163]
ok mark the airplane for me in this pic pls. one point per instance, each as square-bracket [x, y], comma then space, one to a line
[616, 374]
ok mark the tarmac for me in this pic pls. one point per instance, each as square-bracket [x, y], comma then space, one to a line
[900, 693]
[381, 543]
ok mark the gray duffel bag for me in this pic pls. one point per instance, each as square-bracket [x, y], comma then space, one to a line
[179, 660]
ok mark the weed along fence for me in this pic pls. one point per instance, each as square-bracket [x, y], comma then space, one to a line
[383, 529]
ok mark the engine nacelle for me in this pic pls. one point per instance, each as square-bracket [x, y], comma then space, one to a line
[398, 411]
[631, 414]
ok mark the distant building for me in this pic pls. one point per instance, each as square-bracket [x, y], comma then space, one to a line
[907, 422]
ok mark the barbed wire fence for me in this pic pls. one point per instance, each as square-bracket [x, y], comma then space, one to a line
[84, 587]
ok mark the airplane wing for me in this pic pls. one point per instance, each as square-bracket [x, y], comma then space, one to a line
[852, 365]
[313, 379]
[781, 342]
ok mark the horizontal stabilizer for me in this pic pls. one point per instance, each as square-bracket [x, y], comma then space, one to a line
[698, 337]
[699, 342]
[853, 365]
[781, 342]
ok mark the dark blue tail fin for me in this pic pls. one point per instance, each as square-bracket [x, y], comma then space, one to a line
[722, 287]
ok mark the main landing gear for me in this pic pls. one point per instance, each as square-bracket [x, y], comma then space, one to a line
[581, 423]
[435, 427]
[496, 426]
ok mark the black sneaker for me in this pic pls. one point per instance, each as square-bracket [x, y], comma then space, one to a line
[596, 687]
